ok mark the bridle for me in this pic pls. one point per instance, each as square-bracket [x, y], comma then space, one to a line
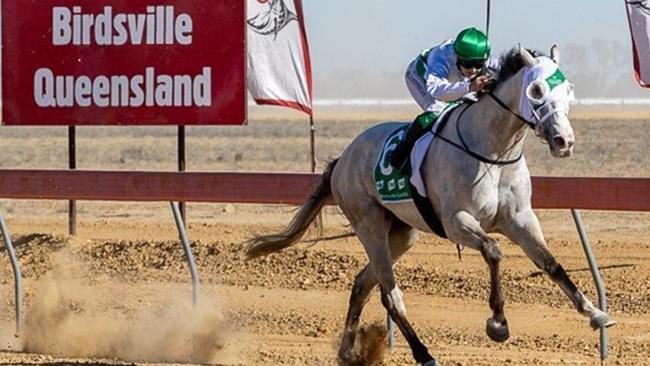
[547, 107]
[476, 155]
[505, 106]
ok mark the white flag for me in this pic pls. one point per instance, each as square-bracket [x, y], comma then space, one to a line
[638, 14]
[279, 71]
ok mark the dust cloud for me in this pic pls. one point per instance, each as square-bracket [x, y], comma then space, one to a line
[370, 345]
[57, 323]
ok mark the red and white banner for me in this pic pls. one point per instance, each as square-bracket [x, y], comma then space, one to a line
[279, 71]
[638, 15]
[117, 62]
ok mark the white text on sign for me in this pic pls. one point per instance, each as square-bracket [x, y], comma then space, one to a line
[148, 90]
[159, 25]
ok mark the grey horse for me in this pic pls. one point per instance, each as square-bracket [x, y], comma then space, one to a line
[477, 181]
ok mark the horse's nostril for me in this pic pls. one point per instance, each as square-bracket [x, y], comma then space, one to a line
[559, 142]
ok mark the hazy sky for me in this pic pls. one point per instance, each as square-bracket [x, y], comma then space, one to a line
[387, 34]
[360, 48]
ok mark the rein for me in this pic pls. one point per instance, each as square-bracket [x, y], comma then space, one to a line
[504, 106]
[476, 155]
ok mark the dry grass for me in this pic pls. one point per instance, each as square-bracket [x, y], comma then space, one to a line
[276, 140]
[605, 147]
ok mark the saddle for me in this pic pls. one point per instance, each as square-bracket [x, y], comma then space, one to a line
[395, 186]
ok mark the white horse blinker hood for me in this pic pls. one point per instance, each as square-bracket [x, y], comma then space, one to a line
[546, 91]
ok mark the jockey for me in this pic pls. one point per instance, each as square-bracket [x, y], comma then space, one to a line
[442, 74]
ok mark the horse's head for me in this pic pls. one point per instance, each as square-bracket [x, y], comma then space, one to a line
[546, 99]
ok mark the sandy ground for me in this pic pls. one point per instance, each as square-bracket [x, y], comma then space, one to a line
[119, 292]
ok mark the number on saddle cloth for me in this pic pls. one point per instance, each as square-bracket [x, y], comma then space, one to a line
[392, 184]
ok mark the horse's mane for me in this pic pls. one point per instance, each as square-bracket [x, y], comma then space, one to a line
[510, 64]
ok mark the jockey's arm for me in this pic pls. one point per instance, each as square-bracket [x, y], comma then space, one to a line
[438, 81]
[439, 86]
[442, 89]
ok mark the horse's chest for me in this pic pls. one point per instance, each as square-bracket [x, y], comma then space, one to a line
[481, 199]
[485, 203]
[475, 189]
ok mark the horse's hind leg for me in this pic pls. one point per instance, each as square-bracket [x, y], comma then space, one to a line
[466, 230]
[372, 224]
[363, 285]
[401, 238]
[524, 229]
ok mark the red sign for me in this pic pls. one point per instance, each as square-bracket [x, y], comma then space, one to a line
[123, 62]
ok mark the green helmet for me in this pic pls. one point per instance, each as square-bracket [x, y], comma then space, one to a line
[472, 44]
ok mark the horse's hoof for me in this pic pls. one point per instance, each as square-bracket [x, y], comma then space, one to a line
[347, 358]
[601, 320]
[497, 331]
[431, 363]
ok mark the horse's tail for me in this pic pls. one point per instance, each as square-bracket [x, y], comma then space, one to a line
[267, 244]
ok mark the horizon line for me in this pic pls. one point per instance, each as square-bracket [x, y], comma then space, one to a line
[400, 102]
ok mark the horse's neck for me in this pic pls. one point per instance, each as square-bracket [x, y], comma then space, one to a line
[491, 130]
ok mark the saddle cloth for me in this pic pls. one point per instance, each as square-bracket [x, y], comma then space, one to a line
[393, 185]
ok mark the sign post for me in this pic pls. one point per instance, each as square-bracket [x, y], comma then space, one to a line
[123, 62]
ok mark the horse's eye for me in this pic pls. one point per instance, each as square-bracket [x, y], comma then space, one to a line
[537, 92]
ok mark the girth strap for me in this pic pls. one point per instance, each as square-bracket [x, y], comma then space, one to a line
[425, 208]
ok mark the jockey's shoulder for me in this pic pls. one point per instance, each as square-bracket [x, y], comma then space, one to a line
[441, 52]
[445, 46]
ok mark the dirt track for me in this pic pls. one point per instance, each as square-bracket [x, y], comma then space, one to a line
[288, 309]
[119, 292]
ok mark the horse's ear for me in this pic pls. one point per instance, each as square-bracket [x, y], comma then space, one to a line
[555, 54]
[529, 60]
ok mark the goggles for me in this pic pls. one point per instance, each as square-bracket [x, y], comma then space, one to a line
[471, 64]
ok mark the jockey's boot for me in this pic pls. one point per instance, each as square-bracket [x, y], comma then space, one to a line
[398, 157]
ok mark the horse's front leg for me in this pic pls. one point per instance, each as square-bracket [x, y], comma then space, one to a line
[524, 229]
[466, 230]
